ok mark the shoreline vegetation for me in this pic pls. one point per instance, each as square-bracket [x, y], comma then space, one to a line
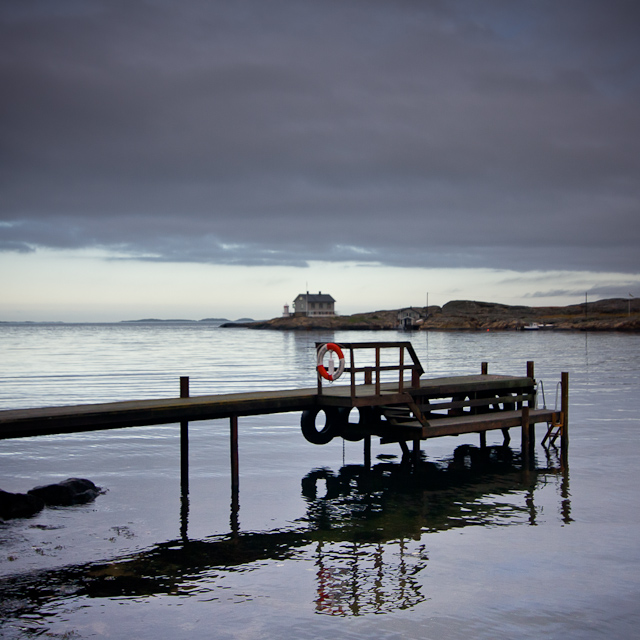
[617, 314]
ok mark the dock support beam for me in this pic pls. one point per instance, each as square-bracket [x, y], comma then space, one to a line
[416, 452]
[528, 439]
[564, 407]
[184, 464]
[235, 473]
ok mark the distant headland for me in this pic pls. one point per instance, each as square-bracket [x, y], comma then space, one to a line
[617, 314]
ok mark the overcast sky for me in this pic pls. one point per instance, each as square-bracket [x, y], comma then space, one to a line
[202, 158]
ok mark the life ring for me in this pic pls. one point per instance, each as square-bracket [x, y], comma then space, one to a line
[332, 374]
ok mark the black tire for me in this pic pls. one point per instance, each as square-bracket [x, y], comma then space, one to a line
[327, 433]
[367, 419]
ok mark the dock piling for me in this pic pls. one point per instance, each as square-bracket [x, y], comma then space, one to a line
[184, 439]
[235, 471]
[564, 408]
[184, 463]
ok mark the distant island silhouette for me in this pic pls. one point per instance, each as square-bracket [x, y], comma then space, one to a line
[616, 314]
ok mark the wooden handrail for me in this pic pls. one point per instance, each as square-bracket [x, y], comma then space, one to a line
[372, 373]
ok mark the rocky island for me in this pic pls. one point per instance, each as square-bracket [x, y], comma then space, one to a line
[616, 314]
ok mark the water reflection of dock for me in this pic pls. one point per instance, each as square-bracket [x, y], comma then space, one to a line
[365, 529]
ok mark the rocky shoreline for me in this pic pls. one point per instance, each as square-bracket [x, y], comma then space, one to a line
[617, 314]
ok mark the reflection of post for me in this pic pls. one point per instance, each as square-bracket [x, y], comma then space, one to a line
[527, 443]
[565, 508]
[531, 507]
[235, 479]
[184, 463]
[367, 451]
[357, 579]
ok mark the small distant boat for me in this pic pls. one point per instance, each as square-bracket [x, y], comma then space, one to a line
[535, 326]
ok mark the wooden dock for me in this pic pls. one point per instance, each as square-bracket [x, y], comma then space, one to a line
[20, 423]
[402, 411]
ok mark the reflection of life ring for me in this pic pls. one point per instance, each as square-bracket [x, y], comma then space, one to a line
[331, 374]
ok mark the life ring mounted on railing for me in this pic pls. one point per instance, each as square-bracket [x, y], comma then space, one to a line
[330, 373]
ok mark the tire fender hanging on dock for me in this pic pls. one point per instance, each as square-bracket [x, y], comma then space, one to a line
[331, 374]
[368, 418]
[326, 433]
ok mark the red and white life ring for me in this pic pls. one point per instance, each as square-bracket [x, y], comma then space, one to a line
[332, 373]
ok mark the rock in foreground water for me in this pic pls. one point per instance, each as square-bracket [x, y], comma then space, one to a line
[66, 493]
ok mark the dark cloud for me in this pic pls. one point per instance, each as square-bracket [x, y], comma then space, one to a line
[453, 133]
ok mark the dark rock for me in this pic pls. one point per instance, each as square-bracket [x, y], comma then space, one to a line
[67, 492]
[19, 505]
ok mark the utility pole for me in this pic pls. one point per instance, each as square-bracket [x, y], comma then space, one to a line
[586, 312]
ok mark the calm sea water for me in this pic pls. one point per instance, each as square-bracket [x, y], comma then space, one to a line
[317, 548]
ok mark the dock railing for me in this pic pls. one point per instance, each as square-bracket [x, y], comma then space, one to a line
[372, 373]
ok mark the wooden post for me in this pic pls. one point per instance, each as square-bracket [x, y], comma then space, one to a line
[483, 439]
[367, 452]
[377, 371]
[368, 375]
[233, 433]
[484, 368]
[353, 373]
[416, 452]
[235, 476]
[415, 377]
[184, 464]
[401, 380]
[531, 374]
[564, 408]
[184, 439]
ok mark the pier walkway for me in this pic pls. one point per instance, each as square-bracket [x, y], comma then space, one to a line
[399, 411]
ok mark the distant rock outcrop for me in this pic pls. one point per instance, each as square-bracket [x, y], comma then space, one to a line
[617, 314]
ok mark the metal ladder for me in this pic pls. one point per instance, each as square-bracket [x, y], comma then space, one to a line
[556, 426]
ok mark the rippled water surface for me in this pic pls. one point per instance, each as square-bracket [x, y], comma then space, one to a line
[464, 547]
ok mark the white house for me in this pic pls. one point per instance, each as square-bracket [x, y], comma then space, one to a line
[409, 317]
[314, 304]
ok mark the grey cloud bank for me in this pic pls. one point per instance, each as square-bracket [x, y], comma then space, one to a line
[425, 134]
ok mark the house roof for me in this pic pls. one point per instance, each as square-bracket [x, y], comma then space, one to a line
[316, 297]
[407, 311]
